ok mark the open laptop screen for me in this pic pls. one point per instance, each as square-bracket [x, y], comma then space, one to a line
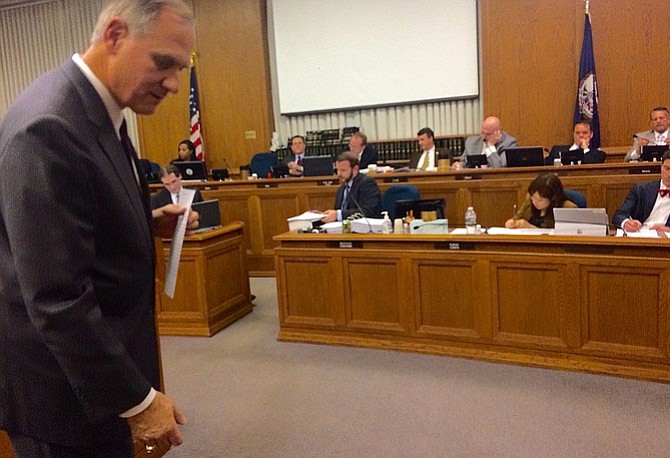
[572, 156]
[529, 156]
[653, 153]
[314, 166]
[477, 161]
[192, 170]
[209, 215]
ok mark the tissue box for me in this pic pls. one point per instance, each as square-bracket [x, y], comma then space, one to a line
[438, 226]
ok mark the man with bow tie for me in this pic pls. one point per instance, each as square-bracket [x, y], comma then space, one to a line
[647, 204]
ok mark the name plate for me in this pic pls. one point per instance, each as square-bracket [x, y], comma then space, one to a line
[266, 185]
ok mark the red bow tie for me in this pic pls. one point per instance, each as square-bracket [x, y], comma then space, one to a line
[664, 192]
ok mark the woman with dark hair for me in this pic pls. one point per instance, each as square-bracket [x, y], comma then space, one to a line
[544, 194]
[185, 152]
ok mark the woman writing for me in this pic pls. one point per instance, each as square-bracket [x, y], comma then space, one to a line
[544, 194]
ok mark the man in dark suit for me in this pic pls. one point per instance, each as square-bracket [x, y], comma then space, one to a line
[297, 153]
[491, 141]
[79, 366]
[358, 193]
[367, 154]
[647, 204]
[582, 134]
[428, 155]
[172, 186]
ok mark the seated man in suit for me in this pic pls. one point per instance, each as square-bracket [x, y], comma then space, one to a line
[582, 134]
[294, 160]
[358, 193]
[647, 204]
[658, 135]
[367, 154]
[426, 159]
[171, 179]
[492, 141]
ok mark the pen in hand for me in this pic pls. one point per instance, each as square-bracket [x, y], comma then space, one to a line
[514, 212]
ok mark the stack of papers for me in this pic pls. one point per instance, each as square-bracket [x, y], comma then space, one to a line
[296, 223]
[332, 228]
[367, 225]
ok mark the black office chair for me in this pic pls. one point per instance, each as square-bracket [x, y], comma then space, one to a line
[396, 193]
[576, 197]
[262, 163]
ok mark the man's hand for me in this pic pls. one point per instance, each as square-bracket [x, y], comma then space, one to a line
[660, 228]
[329, 216]
[494, 138]
[158, 420]
[584, 143]
[165, 220]
[632, 225]
[294, 168]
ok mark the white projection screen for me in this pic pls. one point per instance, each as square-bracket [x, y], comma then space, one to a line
[343, 54]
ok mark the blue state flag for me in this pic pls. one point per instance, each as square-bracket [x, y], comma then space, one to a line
[586, 106]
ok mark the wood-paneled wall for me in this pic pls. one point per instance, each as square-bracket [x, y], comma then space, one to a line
[531, 53]
[530, 58]
[233, 74]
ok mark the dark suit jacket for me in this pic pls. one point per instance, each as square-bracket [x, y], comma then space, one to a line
[78, 343]
[369, 156]
[416, 156]
[594, 156]
[163, 197]
[365, 192]
[639, 203]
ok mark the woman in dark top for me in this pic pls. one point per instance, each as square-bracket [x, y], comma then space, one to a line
[185, 152]
[544, 194]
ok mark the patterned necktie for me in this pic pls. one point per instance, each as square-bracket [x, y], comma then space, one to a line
[664, 192]
[300, 160]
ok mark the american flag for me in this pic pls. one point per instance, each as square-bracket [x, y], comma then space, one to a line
[194, 108]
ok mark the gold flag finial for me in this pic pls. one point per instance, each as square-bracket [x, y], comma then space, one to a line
[586, 6]
[193, 54]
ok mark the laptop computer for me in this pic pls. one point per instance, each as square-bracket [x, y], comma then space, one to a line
[580, 221]
[220, 174]
[653, 153]
[192, 170]
[477, 161]
[527, 156]
[572, 156]
[209, 215]
[315, 166]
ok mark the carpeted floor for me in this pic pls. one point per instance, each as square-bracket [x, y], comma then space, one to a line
[247, 395]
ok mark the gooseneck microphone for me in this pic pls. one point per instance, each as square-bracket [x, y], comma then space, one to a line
[351, 197]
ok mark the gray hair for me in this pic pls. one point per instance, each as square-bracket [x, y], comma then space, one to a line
[138, 14]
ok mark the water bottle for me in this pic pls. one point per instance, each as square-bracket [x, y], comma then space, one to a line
[387, 226]
[470, 220]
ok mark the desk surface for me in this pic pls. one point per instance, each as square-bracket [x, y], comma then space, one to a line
[596, 304]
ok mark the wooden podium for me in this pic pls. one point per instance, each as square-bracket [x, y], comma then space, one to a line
[212, 288]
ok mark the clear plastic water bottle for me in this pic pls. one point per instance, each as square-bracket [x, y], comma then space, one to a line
[470, 220]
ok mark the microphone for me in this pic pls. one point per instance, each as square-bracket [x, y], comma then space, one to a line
[360, 210]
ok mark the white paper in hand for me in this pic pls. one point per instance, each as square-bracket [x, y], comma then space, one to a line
[185, 200]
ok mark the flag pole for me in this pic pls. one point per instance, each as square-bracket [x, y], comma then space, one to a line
[586, 6]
